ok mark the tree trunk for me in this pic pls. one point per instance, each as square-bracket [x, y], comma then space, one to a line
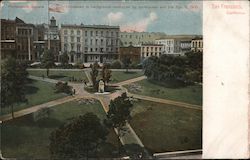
[47, 72]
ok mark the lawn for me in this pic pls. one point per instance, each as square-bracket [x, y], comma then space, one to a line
[189, 94]
[29, 139]
[163, 128]
[37, 92]
[66, 75]
[119, 76]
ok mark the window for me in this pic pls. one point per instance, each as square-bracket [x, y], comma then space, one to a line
[96, 33]
[65, 31]
[91, 33]
[112, 34]
[91, 42]
[78, 32]
[101, 33]
[101, 41]
[96, 49]
[86, 41]
[96, 42]
[107, 33]
[121, 36]
[86, 33]
[86, 49]
[72, 32]
[130, 36]
[72, 39]
[78, 39]
[65, 39]
[91, 49]
[72, 47]
[78, 48]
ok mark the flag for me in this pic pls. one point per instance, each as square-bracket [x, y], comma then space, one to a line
[57, 8]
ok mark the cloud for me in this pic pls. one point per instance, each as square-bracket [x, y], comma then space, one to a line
[25, 5]
[115, 17]
[141, 25]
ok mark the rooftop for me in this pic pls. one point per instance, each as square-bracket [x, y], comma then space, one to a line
[90, 26]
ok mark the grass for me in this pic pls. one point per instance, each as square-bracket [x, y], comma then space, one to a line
[37, 92]
[189, 94]
[29, 139]
[60, 75]
[119, 76]
[165, 128]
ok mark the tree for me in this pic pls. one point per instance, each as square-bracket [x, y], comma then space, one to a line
[48, 60]
[106, 74]
[79, 139]
[127, 61]
[119, 113]
[64, 59]
[13, 80]
[94, 74]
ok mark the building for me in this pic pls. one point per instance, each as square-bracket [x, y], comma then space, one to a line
[168, 45]
[197, 44]
[138, 38]
[8, 38]
[148, 50]
[131, 52]
[39, 43]
[52, 38]
[24, 40]
[90, 43]
[176, 44]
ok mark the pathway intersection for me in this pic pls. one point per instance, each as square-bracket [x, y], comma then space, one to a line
[130, 136]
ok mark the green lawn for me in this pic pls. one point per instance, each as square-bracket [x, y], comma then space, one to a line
[119, 76]
[29, 139]
[37, 92]
[60, 75]
[189, 94]
[163, 128]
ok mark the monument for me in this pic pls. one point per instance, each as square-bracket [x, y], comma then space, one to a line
[101, 86]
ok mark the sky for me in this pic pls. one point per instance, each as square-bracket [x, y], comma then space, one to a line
[171, 17]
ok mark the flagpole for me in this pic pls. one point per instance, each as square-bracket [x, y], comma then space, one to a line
[48, 28]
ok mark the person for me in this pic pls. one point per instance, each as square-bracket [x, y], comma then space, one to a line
[74, 91]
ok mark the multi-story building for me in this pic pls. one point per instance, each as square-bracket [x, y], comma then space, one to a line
[168, 45]
[197, 44]
[8, 38]
[39, 43]
[148, 50]
[131, 52]
[24, 40]
[138, 38]
[90, 43]
[52, 38]
[176, 44]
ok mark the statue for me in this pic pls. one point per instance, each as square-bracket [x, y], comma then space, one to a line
[101, 86]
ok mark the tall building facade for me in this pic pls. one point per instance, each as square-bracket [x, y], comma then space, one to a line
[131, 52]
[148, 50]
[138, 38]
[90, 43]
[8, 38]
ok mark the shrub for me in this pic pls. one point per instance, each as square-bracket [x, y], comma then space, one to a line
[116, 65]
[63, 88]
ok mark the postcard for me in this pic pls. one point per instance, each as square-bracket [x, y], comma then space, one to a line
[124, 79]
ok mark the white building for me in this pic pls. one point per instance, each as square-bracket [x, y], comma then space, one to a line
[90, 43]
[197, 44]
[148, 50]
[168, 45]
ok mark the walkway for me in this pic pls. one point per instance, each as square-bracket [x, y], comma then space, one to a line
[37, 107]
[130, 81]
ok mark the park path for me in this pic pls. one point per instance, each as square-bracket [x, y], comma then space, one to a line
[128, 136]
[130, 81]
[38, 107]
[87, 73]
